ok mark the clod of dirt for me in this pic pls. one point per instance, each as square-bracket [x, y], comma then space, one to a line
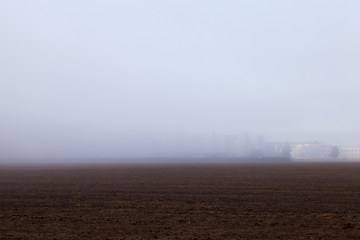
[349, 225]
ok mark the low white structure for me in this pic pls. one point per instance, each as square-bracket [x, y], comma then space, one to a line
[312, 149]
[349, 152]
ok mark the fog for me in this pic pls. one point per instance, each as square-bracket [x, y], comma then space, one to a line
[82, 79]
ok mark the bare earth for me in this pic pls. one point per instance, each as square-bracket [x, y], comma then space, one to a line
[203, 201]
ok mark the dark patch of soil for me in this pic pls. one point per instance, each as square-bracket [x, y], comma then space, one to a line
[234, 201]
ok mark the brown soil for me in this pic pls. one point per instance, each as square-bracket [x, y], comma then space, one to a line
[237, 201]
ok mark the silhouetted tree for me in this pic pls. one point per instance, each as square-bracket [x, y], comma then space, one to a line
[335, 152]
[286, 151]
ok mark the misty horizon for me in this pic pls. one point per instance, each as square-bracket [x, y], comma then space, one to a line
[100, 79]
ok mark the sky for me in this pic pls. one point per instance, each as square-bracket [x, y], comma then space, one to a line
[84, 74]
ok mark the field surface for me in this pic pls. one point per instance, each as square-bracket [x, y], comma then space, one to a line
[190, 201]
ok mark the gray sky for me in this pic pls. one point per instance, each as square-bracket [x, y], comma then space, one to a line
[87, 70]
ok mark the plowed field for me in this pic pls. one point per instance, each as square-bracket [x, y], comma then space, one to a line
[192, 201]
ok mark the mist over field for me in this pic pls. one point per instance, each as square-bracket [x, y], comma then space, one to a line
[109, 79]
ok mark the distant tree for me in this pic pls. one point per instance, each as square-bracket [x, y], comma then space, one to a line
[335, 152]
[286, 151]
[256, 153]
